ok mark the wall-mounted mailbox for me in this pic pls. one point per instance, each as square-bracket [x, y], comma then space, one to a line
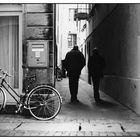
[38, 55]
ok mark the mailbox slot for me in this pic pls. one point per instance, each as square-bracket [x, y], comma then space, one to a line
[38, 55]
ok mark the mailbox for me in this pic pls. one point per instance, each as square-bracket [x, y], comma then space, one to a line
[38, 54]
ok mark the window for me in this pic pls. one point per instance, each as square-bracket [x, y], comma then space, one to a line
[9, 47]
[72, 13]
[72, 40]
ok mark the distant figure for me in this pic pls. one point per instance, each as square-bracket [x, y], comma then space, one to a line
[96, 64]
[74, 63]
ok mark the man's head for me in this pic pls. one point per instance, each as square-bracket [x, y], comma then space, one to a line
[75, 47]
[95, 50]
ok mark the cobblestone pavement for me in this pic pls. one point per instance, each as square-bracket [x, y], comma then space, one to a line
[83, 119]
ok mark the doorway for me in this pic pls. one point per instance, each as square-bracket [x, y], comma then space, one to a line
[10, 49]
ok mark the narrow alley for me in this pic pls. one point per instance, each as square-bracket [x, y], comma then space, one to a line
[34, 41]
[82, 119]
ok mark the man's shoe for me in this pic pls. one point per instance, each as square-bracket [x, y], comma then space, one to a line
[75, 101]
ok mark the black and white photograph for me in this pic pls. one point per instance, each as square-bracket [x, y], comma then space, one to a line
[70, 69]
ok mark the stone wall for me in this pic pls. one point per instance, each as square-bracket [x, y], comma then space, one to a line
[39, 25]
[118, 38]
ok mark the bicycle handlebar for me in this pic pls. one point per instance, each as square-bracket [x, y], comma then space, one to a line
[5, 73]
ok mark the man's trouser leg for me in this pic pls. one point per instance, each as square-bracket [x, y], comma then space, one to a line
[96, 83]
[73, 86]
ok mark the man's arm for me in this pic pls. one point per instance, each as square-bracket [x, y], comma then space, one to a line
[83, 60]
[89, 70]
[66, 61]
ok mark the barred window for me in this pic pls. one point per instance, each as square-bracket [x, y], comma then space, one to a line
[72, 40]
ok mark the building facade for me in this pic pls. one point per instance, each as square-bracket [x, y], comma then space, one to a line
[27, 43]
[66, 30]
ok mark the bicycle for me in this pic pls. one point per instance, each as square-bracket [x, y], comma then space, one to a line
[43, 101]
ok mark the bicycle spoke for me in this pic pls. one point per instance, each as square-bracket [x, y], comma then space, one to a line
[37, 104]
[34, 99]
[38, 110]
[51, 109]
[43, 94]
[44, 103]
[45, 111]
[53, 105]
[49, 112]
[34, 107]
[52, 99]
[40, 96]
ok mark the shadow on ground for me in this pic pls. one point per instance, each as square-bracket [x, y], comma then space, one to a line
[77, 106]
[106, 104]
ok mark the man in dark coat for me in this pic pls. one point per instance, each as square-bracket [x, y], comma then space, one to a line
[74, 63]
[96, 64]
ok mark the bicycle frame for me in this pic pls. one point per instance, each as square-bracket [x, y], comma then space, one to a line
[6, 86]
[36, 100]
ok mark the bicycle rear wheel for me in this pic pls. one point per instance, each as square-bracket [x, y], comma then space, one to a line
[2, 99]
[44, 102]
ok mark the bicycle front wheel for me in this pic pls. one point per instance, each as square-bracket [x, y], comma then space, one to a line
[2, 99]
[44, 102]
